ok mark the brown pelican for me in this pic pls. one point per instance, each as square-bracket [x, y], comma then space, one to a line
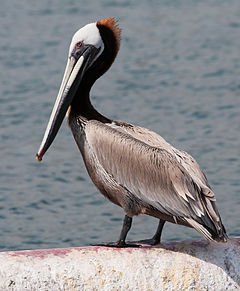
[132, 166]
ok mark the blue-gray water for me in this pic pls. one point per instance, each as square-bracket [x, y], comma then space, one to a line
[178, 73]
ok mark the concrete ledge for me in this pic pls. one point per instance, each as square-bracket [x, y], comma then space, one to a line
[186, 265]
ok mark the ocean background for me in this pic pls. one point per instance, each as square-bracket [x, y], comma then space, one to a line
[177, 73]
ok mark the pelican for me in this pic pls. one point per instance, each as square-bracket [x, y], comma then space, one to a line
[135, 168]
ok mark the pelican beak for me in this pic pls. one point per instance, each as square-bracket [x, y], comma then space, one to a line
[79, 61]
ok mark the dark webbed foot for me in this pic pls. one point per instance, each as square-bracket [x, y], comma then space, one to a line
[150, 241]
[119, 244]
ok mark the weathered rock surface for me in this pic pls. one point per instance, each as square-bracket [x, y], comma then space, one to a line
[186, 265]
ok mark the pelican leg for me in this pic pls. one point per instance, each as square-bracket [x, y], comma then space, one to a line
[121, 243]
[157, 236]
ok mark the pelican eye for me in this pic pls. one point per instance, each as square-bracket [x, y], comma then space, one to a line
[79, 44]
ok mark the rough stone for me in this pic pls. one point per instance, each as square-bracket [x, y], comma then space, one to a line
[185, 265]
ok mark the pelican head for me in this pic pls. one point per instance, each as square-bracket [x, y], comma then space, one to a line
[92, 51]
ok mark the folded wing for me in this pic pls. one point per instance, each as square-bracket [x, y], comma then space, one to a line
[156, 175]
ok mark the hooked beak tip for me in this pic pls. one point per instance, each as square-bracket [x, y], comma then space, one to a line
[38, 158]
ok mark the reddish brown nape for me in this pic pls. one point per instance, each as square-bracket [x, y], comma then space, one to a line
[112, 24]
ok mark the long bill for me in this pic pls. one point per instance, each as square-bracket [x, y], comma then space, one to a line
[76, 66]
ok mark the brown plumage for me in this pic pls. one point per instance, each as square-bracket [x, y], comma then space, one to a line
[133, 167]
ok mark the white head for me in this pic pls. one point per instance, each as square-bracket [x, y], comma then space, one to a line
[89, 34]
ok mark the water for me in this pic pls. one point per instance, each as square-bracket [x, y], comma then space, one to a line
[177, 73]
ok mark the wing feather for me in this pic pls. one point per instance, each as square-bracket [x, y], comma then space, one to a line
[152, 174]
[153, 139]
